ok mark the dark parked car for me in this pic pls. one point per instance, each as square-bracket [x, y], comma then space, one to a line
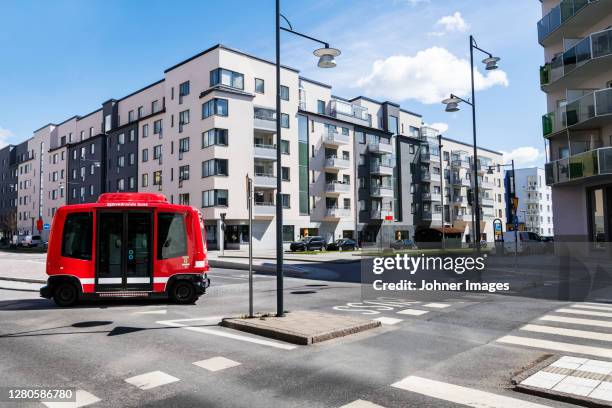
[403, 244]
[342, 244]
[309, 244]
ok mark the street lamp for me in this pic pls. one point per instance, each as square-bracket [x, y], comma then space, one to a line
[327, 59]
[452, 105]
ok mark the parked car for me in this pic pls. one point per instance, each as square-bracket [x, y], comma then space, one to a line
[403, 244]
[34, 241]
[342, 244]
[18, 241]
[309, 244]
[528, 243]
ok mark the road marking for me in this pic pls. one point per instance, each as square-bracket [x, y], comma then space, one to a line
[461, 395]
[388, 320]
[153, 312]
[436, 305]
[216, 363]
[556, 345]
[83, 398]
[593, 307]
[413, 312]
[362, 404]
[583, 334]
[576, 320]
[584, 312]
[221, 333]
[151, 380]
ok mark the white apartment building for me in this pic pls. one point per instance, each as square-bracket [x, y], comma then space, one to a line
[535, 211]
[577, 79]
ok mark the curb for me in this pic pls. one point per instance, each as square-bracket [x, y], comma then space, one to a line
[336, 261]
[263, 269]
[5, 278]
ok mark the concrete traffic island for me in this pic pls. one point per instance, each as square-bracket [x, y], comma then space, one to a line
[301, 327]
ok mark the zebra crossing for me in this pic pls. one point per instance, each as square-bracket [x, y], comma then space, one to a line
[580, 328]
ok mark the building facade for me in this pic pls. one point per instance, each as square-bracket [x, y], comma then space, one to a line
[534, 210]
[577, 80]
[349, 166]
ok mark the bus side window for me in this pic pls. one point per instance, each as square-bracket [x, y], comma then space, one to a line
[171, 235]
[77, 236]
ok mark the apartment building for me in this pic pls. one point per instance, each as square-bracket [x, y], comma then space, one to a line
[8, 190]
[349, 166]
[577, 79]
[534, 210]
[444, 183]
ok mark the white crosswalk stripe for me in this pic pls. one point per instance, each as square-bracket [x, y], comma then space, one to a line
[589, 335]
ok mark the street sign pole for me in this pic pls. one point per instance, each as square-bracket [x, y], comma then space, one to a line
[249, 185]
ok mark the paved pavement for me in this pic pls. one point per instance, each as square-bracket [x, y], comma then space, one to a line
[454, 350]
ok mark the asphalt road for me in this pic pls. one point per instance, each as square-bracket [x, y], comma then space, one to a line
[456, 340]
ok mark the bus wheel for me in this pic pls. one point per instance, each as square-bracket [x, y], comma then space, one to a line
[183, 293]
[65, 294]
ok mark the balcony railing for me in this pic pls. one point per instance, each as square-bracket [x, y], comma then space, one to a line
[264, 180]
[579, 112]
[430, 177]
[380, 213]
[431, 197]
[380, 148]
[264, 119]
[337, 187]
[580, 166]
[267, 209]
[487, 201]
[381, 191]
[432, 216]
[266, 152]
[459, 181]
[344, 109]
[596, 45]
[430, 157]
[458, 200]
[382, 168]
[336, 212]
[337, 163]
[558, 15]
[335, 138]
[465, 163]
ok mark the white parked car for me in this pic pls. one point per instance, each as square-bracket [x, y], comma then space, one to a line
[528, 243]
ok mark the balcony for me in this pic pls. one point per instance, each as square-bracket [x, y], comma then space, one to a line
[381, 168]
[334, 163]
[264, 152]
[590, 111]
[335, 139]
[588, 58]
[264, 210]
[487, 202]
[430, 157]
[349, 112]
[488, 212]
[437, 197]
[381, 191]
[461, 163]
[335, 212]
[380, 148]
[337, 188]
[466, 217]
[459, 181]
[430, 177]
[581, 166]
[264, 119]
[264, 180]
[380, 214]
[583, 13]
[486, 185]
[431, 216]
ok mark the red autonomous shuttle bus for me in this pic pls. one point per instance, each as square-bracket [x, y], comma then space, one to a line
[126, 245]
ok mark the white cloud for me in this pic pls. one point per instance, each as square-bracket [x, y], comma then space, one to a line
[428, 77]
[453, 23]
[439, 126]
[5, 134]
[524, 156]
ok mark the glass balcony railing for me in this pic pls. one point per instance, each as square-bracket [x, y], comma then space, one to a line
[594, 46]
[342, 108]
[558, 15]
[593, 105]
[579, 166]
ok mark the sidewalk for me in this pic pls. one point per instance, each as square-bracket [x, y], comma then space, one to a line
[270, 254]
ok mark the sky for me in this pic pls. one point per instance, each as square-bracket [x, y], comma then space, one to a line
[64, 58]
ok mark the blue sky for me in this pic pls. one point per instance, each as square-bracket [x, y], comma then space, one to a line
[63, 58]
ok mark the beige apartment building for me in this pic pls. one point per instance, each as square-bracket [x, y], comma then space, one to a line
[577, 79]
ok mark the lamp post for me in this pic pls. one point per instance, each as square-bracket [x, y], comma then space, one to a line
[442, 189]
[452, 105]
[326, 60]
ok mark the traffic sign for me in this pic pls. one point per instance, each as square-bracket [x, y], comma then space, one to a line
[388, 218]
[46, 227]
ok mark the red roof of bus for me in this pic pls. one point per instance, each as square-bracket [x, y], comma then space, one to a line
[128, 200]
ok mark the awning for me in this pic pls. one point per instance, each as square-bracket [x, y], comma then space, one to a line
[449, 230]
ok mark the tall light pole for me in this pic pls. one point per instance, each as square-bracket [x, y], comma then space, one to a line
[326, 60]
[452, 106]
[441, 188]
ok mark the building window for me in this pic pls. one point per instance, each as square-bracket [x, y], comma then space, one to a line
[411, 149]
[120, 185]
[285, 201]
[184, 173]
[214, 167]
[284, 92]
[259, 85]
[157, 151]
[288, 233]
[285, 120]
[131, 183]
[216, 106]
[183, 119]
[183, 145]
[321, 107]
[121, 138]
[131, 116]
[145, 155]
[92, 169]
[183, 90]
[227, 78]
[157, 178]
[285, 173]
[131, 159]
[120, 161]
[132, 135]
[157, 127]
[77, 235]
[154, 106]
[91, 131]
[140, 112]
[212, 198]
[284, 146]
[145, 131]
[214, 137]
[145, 180]
[361, 137]
[92, 149]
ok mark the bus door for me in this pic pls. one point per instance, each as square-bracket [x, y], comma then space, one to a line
[124, 251]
